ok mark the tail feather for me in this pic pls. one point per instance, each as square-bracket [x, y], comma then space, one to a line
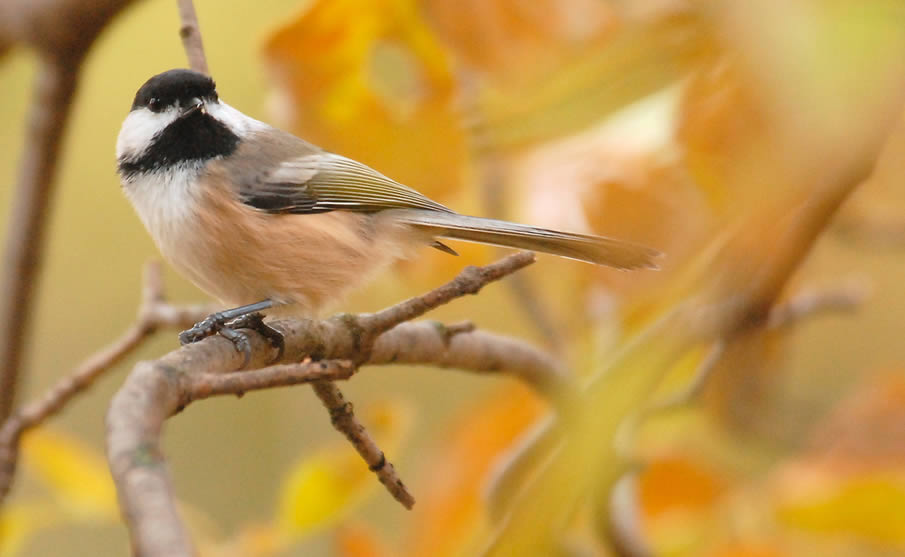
[592, 249]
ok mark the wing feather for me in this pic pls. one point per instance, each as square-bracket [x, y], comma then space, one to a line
[321, 182]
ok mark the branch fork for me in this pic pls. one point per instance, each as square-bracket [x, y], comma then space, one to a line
[154, 314]
[318, 353]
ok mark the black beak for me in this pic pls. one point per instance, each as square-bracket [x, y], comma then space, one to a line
[192, 109]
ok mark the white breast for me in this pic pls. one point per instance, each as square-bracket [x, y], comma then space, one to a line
[167, 202]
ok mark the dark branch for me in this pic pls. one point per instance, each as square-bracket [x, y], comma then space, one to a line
[343, 419]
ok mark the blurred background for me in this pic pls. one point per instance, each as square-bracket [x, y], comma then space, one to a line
[759, 146]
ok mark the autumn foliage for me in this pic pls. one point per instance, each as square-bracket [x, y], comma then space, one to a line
[729, 135]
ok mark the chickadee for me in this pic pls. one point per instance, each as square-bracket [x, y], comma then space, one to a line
[261, 219]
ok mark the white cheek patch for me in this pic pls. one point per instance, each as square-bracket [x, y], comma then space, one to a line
[139, 127]
[238, 123]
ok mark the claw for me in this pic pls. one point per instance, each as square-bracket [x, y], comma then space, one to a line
[255, 322]
[208, 326]
[226, 322]
[240, 342]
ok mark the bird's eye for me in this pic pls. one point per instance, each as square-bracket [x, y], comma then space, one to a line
[154, 104]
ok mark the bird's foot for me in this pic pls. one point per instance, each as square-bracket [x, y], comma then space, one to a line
[227, 323]
[255, 322]
[209, 326]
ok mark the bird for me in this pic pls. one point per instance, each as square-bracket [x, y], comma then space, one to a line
[265, 221]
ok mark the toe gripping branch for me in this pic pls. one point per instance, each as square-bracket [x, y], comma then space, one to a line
[228, 323]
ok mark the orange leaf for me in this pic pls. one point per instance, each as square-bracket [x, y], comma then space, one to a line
[722, 120]
[508, 36]
[358, 540]
[450, 504]
[678, 481]
[367, 79]
[865, 431]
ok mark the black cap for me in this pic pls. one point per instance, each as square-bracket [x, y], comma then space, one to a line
[174, 86]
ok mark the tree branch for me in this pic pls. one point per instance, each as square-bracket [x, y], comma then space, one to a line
[63, 32]
[625, 521]
[156, 390]
[477, 351]
[344, 420]
[153, 314]
[23, 253]
[469, 281]
[190, 32]
[211, 384]
[847, 297]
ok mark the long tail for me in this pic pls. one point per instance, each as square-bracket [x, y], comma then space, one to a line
[592, 249]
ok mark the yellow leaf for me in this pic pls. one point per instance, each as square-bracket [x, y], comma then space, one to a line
[749, 549]
[19, 522]
[870, 507]
[75, 473]
[368, 79]
[324, 486]
[253, 540]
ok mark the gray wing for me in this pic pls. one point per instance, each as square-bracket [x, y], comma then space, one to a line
[321, 182]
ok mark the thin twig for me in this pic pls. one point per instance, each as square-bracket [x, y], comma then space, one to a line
[625, 435]
[238, 383]
[190, 32]
[801, 305]
[624, 515]
[625, 530]
[846, 297]
[154, 314]
[469, 281]
[343, 419]
[154, 391]
[513, 468]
